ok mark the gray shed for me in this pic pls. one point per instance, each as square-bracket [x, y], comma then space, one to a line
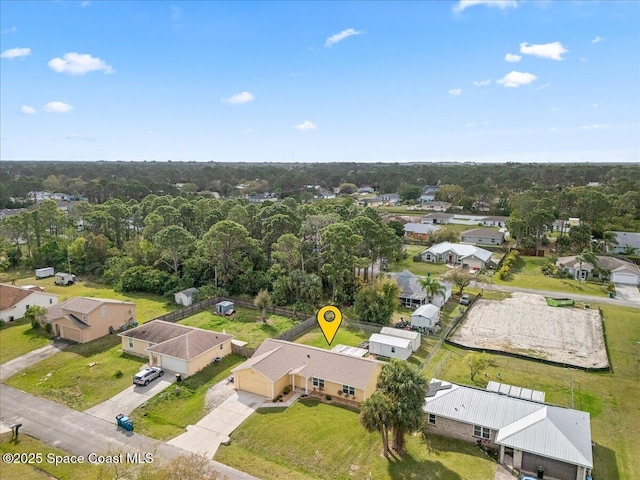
[224, 308]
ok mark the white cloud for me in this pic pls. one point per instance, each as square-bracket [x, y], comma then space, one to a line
[513, 58]
[305, 126]
[239, 98]
[78, 64]
[593, 127]
[13, 29]
[482, 83]
[515, 79]
[553, 50]
[57, 107]
[455, 92]
[501, 4]
[595, 105]
[16, 53]
[27, 110]
[338, 37]
[597, 39]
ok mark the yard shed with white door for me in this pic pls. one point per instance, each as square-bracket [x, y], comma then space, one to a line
[425, 316]
[415, 337]
[388, 346]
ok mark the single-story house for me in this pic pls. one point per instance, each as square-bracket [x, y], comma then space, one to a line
[436, 206]
[64, 278]
[495, 221]
[437, 218]
[370, 202]
[277, 364]
[390, 198]
[390, 347]
[626, 240]
[622, 271]
[483, 236]
[224, 308]
[14, 301]
[425, 316]
[419, 231]
[83, 319]
[175, 347]
[412, 294]
[458, 254]
[530, 436]
[415, 337]
[186, 297]
[366, 189]
[427, 197]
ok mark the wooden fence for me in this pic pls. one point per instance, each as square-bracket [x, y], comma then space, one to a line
[298, 330]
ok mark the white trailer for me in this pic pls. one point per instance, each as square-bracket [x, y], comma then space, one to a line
[391, 347]
[45, 272]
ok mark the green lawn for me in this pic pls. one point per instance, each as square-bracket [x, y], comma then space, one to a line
[611, 398]
[170, 412]
[27, 444]
[244, 324]
[313, 440]
[418, 268]
[18, 338]
[347, 335]
[528, 274]
[148, 306]
[68, 379]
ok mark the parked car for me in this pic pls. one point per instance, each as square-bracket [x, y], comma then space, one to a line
[143, 377]
[465, 299]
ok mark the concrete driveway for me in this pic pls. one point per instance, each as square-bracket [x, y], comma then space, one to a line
[12, 367]
[628, 293]
[128, 400]
[205, 437]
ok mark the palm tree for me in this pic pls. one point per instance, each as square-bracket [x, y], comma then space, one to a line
[609, 241]
[586, 256]
[262, 302]
[629, 250]
[405, 388]
[375, 415]
[432, 286]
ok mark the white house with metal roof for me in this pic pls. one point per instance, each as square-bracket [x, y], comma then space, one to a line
[457, 254]
[425, 316]
[415, 337]
[390, 347]
[540, 440]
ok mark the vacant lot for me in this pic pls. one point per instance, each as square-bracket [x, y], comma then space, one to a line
[18, 338]
[610, 398]
[244, 325]
[347, 335]
[312, 440]
[82, 375]
[526, 325]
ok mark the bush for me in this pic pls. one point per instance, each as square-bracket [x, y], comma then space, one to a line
[147, 279]
[286, 390]
[35, 324]
[118, 374]
[328, 397]
[504, 272]
[48, 328]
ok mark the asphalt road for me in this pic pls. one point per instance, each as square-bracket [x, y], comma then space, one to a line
[81, 434]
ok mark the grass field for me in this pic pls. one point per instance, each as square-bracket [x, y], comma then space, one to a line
[244, 325]
[347, 335]
[611, 398]
[170, 412]
[418, 268]
[313, 440]
[27, 444]
[68, 379]
[527, 273]
[18, 338]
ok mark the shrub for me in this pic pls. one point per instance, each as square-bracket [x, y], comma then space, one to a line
[35, 324]
[118, 374]
[286, 390]
[328, 397]
[48, 328]
[503, 272]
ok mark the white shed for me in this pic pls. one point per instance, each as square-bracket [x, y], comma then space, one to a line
[387, 346]
[186, 297]
[63, 278]
[415, 337]
[425, 316]
[439, 300]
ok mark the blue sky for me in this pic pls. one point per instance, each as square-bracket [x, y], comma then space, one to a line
[510, 80]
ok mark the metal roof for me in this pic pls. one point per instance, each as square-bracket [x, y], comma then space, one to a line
[399, 332]
[423, 228]
[389, 340]
[554, 432]
[347, 350]
[518, 392]
[429, 311]
[462, 250]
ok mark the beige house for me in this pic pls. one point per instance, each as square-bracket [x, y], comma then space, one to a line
[83, 319]
[179, 348]
[277, 364]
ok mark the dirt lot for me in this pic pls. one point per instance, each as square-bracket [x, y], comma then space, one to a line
[526, 325]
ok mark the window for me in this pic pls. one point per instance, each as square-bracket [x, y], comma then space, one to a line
[393, 349]
[432, 419]
[481, 432]
[318, 382]
[131, 343]
[347, 390]
[27, 307]
[50, 301]
[104, 311]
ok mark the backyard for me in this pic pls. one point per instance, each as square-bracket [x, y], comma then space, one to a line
[351, 335]
[170, 412]
[243, 324]
[81, 376]
[18, 338]
[314, 440]
[418, 268]
[611, 398]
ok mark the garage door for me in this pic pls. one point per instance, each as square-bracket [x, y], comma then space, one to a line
[247, 381]
[552, 469]
[170, 363]
[70, 333]
[624, 278]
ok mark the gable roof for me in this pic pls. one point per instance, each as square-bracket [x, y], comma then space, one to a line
[420, 228]
[483, 232]
[11, 296]
[156, 331]
[191, 344]
[628, 238]
[399, 332]
[276, 358]
[441, 215]
[188, 292]
[409, 286]
[428, 310]
[554, 432]
[612, 263]
[462, 250]
[389, 340]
